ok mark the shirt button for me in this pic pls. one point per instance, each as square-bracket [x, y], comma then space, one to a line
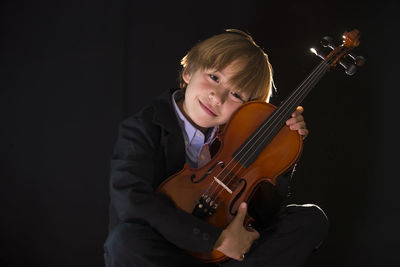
[198, 134]
[196, 231]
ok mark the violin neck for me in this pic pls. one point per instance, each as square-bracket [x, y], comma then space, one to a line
[289, 105]
[272, 125]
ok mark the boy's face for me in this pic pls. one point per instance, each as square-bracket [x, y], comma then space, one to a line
[209, 99]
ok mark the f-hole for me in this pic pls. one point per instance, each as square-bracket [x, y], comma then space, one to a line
[208, 172]
[237, 196]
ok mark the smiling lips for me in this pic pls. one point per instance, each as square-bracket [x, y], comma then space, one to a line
[207, 109]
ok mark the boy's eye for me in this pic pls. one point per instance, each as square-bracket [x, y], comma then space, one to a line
[237, 96]
[214, 77]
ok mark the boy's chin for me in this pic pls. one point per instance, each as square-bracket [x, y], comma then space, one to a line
[207, 125]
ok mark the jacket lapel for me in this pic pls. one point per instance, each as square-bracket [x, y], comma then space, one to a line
[171, 135]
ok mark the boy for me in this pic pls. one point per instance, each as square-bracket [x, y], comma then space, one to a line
[218, 75]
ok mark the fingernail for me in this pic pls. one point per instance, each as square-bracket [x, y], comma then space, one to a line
[243, 205]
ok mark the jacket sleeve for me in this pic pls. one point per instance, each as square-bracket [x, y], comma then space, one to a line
[133, 194]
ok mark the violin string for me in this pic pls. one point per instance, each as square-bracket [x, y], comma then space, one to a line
[267, 132]
[293, 97]
[290, 105]
[232, 170]
[309, 80]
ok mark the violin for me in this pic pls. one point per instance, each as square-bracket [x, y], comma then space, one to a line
[255, 147]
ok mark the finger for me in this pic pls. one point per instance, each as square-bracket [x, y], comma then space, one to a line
[298, 125]
[303, 132]
[294, 120]
[240, 256]
[251, 229]
[298, 111]
[241, 213]
[255, 234]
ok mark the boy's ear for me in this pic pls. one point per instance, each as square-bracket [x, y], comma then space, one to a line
[186, 76]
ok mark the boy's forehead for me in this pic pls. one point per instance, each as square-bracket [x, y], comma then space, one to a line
[231, 69]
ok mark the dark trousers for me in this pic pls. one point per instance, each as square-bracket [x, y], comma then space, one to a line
[288, 241]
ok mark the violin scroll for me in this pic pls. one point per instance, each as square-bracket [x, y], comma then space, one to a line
[341, 54]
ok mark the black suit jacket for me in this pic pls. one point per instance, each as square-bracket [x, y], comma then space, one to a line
[149, 149]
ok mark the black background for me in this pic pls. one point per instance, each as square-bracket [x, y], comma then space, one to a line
[72, 70]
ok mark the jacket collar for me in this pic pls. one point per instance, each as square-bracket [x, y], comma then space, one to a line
[165, 116]
[164, 113]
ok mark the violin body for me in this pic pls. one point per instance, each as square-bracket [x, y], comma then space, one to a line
[185, 187]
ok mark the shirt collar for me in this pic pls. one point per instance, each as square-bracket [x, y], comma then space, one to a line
[190, 132]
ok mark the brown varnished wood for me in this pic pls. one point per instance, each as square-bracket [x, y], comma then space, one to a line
[275, 159]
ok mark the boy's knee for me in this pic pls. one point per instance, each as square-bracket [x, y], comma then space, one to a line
[314, 221]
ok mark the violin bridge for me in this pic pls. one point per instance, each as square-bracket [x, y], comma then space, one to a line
[223, 185]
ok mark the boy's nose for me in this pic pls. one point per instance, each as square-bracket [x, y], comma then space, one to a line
[217, 98]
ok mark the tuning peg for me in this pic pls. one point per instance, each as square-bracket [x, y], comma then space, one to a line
[350, 68]
[327, 42]
[314, 51]
[358, 60]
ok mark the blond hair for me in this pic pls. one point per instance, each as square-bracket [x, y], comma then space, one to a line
[217, 52]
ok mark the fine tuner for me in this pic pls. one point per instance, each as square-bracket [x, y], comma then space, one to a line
[355, 61]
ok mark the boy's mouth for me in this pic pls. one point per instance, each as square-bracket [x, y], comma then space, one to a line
[207, 109]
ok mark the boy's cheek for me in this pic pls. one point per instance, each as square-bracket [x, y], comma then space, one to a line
[224, 121]
[230, 113]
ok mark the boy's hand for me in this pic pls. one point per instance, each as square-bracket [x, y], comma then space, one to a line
[297, 123]
[236, 240]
